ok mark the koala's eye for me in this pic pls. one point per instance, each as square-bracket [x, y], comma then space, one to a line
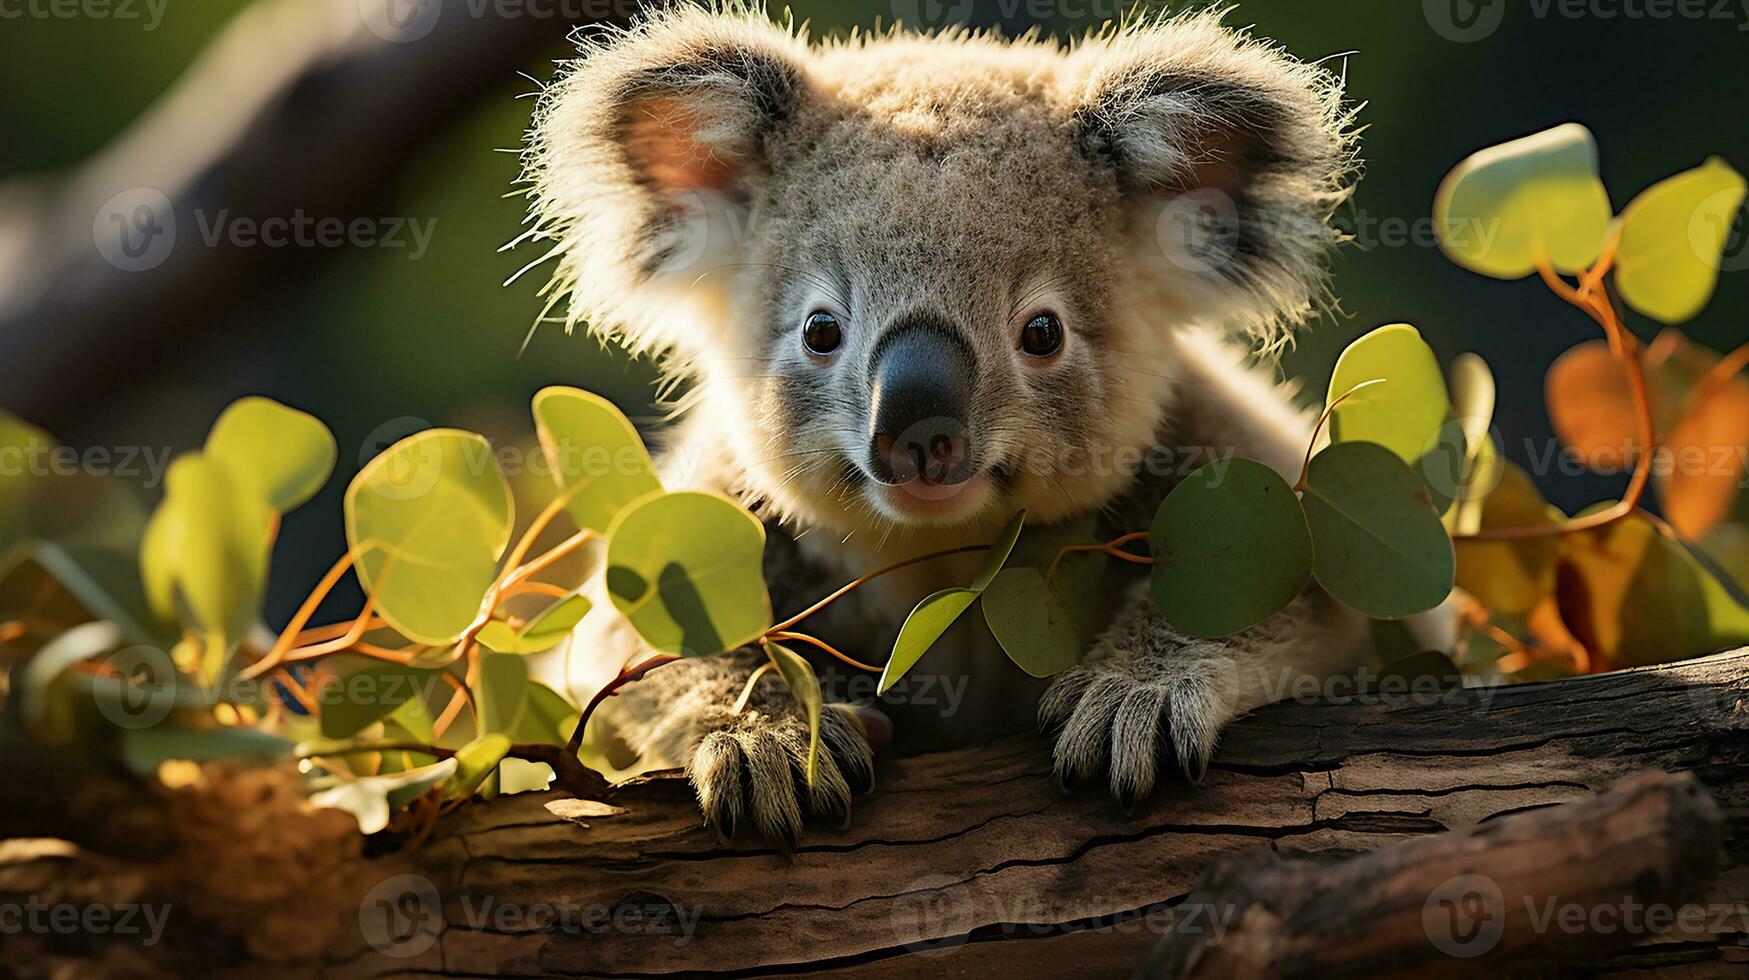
[821, 333]
[1042, 336]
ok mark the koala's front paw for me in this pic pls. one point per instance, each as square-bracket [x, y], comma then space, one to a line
[1124, 709]
[755, 769]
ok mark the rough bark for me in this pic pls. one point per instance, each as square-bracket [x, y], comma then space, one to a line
[1312, 829]
[971, 863]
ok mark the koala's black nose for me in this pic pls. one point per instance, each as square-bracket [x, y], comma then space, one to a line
[923, 374]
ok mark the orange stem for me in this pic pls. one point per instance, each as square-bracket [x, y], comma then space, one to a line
[1112, 548]
[1306, 466]
[823, 645]
[871, 576]
[1626, 350]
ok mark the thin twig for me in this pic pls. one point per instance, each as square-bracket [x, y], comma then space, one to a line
[871, 576]
[821, 644]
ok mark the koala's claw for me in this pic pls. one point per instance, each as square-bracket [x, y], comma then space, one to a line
[754, 773]
[1122, 714]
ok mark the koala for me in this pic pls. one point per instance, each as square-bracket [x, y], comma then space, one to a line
[910, 284]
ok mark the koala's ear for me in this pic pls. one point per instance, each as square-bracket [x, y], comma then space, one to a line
[637, 152]
[1236, 153]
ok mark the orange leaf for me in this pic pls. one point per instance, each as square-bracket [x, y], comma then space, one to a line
[1592, 408]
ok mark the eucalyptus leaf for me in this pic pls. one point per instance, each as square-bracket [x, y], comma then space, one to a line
[1405, 409]
[687, 569]
[1672, 240]
[1231, 548]
[543, 632]
[353, 701]
[1511, 576]
[1037, 625]
[370, 799]
[547, 717]
[590, 442]
[1380, 547]
[936, 613]
[1635, 597]
[143, 750]
[1504, 209]
[500, 691]
[476, 761]
[281, 454]
[428, 521]
[804, 686]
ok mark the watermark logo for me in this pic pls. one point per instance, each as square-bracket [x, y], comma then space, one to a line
[931, 14]
[402, 916]
[934, 916]
[1464, 21]
[405, 475]
[1199, 230]
[142, 691]
[401, 21]
[1465, 916]
[135, 230]
[1704, 233]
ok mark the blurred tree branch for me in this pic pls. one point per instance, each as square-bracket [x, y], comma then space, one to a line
[299, 107]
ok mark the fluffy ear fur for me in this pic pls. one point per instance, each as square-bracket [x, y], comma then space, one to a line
[1236, 153]
[642, 156]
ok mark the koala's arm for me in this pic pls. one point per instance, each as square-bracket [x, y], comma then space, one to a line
[1147, 694]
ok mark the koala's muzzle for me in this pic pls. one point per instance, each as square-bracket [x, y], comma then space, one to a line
[923, 374]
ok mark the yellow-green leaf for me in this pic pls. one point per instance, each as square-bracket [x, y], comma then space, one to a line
[804, 686]
[1672, 238]
[283, 455]
[687, 569]
[590, 442]
[475, 761]
[932, 617]
[1407, 406]
[543, 632]
[1513, 576]
[1504, 209]
[429, 519]
[209, 543]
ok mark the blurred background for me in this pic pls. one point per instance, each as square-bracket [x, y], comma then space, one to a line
[292, 108]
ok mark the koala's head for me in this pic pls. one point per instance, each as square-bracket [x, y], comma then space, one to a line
[933, 279]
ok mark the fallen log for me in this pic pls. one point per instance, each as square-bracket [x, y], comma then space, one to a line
[972, 863]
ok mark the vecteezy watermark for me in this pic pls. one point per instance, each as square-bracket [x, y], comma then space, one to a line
[67, 918]
[147, 13]
[1465, 21]
[1468, 916]
[138, 229]
[403, 916]
[935, 914]
[147, 464]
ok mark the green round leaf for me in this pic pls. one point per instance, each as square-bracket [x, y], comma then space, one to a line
[210, 543]
[1505, 208]
[590, 442]
[500, 691]
[371, 694]
[1379, 545]
[687, 569]
[547, 718]
[1037, 625]
[542, 632]
[475, 761]
[804, 686]
[1405, 411]
[936, 613]
[1672, 238]
[283, 455]
[1231, 548]
[429, 519]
